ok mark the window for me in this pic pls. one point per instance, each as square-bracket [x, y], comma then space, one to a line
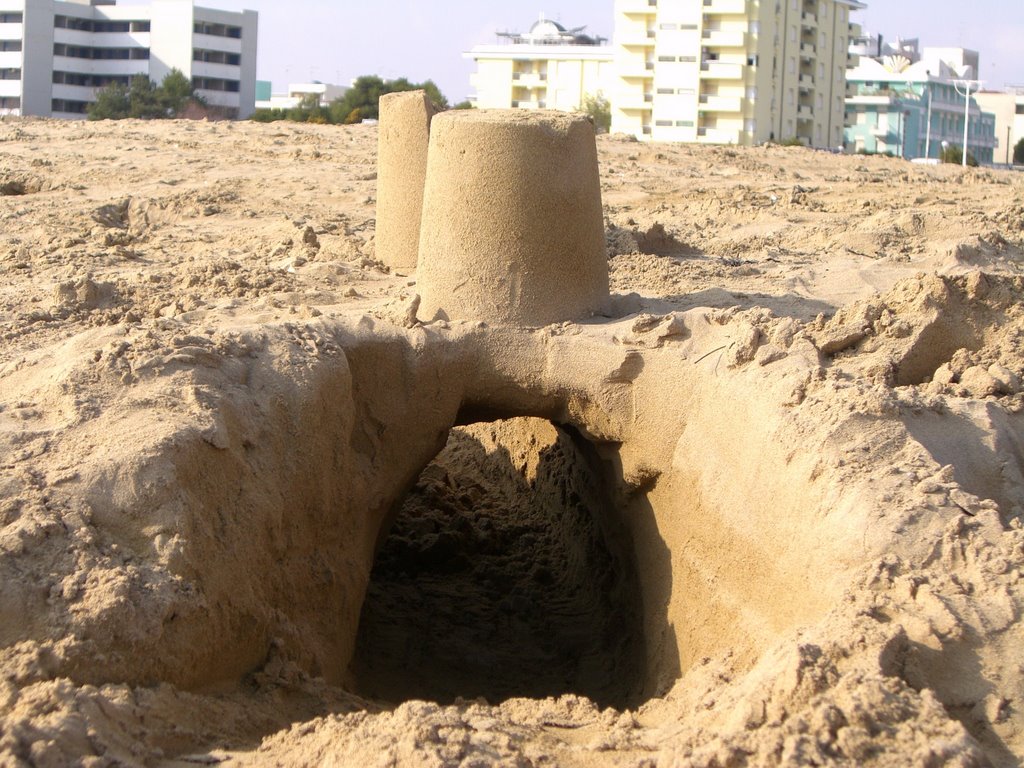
[7, 46]
[217, 30]
[1020, 109]
[684, 123]
[11, 18]
[10, 102]
[69, 106]
[232, 59]
[668, 26]
[688, 59]
[140, 26]
[10, 74]
[663, 123]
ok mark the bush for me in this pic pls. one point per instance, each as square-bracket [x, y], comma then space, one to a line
[954, 154]
[600, 111]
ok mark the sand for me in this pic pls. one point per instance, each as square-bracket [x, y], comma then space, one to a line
[766, 511]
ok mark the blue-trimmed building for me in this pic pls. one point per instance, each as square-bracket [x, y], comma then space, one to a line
[909, 110]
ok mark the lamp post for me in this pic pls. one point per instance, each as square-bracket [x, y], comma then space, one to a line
[966, 93]
[928, 133]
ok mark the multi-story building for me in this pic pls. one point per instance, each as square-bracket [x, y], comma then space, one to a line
[55, 54]
[297, 93]
[913, 110]
[549, 67]
[1008, 109]
[732, 71]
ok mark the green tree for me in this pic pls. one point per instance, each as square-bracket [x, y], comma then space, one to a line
[600, 111]
[467, 104]
[361, 101]
[111, 103]
[1018, 153]
[144, 99]
[954, 154]
[175, 92]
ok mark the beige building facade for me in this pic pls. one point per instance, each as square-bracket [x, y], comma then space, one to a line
[732, 71]
[1009, 111]
[550, 67]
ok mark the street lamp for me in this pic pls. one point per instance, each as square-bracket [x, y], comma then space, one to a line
[966, 93]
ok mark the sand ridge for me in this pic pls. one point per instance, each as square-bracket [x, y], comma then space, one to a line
[213, 397]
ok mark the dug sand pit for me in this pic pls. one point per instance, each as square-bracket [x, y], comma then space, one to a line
[767, 511]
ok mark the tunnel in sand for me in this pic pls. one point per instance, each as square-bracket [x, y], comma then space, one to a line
[507, 572]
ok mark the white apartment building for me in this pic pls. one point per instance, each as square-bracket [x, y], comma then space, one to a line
[732, 71]
[297, 93]
[1008, 109]
[550, 67]
[55, 54]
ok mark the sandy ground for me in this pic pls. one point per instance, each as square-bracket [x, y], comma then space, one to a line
[793, 471]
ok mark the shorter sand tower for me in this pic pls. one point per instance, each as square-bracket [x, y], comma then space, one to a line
[512, 230]
[401, 173]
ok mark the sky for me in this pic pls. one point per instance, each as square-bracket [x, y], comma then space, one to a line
[335, 41]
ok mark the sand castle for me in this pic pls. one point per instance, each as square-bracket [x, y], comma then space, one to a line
[511, 229]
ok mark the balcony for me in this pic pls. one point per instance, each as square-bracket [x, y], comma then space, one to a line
[725, 6]
[804, 113]
[718, 38]
[720, 104]
[807, 50]
[636, 37]
[809, 20]
[633, 7]
[720, 70]
[716, 136]
[529, 79]
[637, 69]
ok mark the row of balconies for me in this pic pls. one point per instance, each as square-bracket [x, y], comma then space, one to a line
[714, 38]
[709, 70]
[634, 7]
[705, 103]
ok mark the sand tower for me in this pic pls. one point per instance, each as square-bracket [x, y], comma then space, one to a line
[512, 229]
[401, 173]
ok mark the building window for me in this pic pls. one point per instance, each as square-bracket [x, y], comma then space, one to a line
[234, 59]
[8, 46]
[69, 106]
[11, 18]
[668, 26]
[10, 102]
[216, 84]
[1020, 109]
[688, 59]
[663, 123]
[684, 123]
[10, 74]
[140, 26]
[217, 30]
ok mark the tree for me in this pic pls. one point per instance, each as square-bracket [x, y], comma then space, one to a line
[464, 105]
[1018, 153]
[175, 92]
[361, 101]
[111, 103]
[953, 154]
[600, 111]
[144, 100]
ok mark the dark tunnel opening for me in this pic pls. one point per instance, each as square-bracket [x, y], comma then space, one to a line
[507, 573]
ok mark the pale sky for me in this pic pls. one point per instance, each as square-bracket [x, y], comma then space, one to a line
[337, 40]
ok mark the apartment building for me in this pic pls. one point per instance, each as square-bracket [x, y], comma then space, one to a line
[55, 54]
[1008, 110]
[913, 110]
[549, 67]
[732, 71]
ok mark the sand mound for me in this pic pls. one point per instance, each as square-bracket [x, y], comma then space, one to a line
[768, 511]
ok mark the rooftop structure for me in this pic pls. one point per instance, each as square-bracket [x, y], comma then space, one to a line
[324, 93]
[55, 54]
[548, 67]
